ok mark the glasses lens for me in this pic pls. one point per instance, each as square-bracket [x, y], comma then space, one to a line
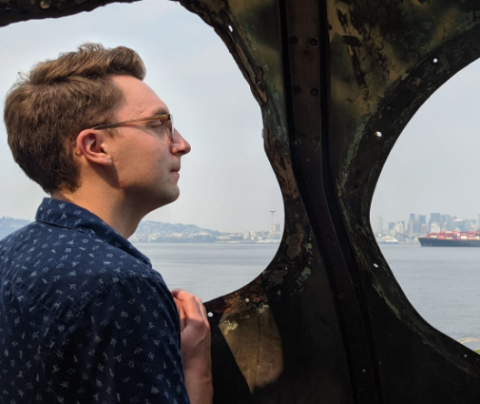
[172, 128]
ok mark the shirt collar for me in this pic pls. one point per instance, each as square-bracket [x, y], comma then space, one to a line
[69, 215]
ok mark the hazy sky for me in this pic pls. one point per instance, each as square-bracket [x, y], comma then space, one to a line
[433, 166]
[226, 182]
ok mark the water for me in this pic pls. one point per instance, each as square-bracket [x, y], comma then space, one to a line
[442, 283]
[209, 270]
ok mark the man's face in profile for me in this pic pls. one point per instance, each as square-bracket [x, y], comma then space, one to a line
[146, 160]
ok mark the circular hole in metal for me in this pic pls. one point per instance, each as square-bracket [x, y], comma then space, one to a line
[420, 197]
[248, 236]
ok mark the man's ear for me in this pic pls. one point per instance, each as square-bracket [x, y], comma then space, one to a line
[93, 145]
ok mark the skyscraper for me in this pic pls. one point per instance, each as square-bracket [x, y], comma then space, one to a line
[411, 224]
[435, 218]
[380, 225]
[272, 227]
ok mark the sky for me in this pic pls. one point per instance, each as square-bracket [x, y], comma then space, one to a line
[432, 167]
[226, 183]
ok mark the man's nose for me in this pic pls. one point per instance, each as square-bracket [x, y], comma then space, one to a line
[179, 144]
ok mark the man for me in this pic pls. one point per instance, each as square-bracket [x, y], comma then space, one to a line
[83, 316]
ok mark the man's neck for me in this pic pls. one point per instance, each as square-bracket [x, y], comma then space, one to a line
[111, 207]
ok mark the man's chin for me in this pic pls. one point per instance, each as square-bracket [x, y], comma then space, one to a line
[164, 200]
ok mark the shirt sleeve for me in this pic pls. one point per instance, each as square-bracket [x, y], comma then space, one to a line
[124, 347]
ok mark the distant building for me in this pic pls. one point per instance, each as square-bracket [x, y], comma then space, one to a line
[411, 224]
[435, 218]
[391, 228]
[435, 227]
[380, 225]
[458, 225]
[423, 229]
[422, 219]
[447, 222]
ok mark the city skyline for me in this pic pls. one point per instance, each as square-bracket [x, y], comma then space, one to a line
[419, 225]
[274, 227]
[158, 232]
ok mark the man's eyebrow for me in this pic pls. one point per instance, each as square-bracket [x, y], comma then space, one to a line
[160, 111]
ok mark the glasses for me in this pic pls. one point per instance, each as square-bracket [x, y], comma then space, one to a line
[163, 118]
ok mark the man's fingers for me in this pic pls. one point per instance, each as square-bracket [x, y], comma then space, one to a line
[192, 305]
[176, 291]
[203, 310]
[181, 313]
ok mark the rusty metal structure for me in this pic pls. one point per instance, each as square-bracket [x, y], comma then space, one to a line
[337, 81]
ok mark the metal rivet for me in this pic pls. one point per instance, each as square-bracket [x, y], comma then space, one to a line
[297, 90]
[375, 265]
[435, 60]
[44, 5]
[230, 28]
[378, 134]
[247, 300]
[313, 42]
[293, 40]
[210, 314]
[314, 91]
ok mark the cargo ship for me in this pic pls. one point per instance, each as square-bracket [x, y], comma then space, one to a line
[451, 239]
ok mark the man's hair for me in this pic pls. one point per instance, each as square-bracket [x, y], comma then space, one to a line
[46, 109]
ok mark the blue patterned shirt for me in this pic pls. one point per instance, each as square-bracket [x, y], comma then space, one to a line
[83, 316]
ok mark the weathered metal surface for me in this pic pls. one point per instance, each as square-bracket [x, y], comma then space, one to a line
[326, 322]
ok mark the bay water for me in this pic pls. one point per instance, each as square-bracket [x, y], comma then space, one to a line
[443, 284]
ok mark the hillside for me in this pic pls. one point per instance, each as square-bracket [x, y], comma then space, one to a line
[9, 225]
[148, 231]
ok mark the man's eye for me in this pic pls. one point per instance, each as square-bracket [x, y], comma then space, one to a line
[156, 123]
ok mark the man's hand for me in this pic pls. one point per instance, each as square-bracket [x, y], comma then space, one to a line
[195, 342]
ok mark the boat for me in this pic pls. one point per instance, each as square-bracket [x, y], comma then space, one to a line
[451, 239]
[387, 240]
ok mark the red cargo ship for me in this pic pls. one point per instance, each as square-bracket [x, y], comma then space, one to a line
[451, 239]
